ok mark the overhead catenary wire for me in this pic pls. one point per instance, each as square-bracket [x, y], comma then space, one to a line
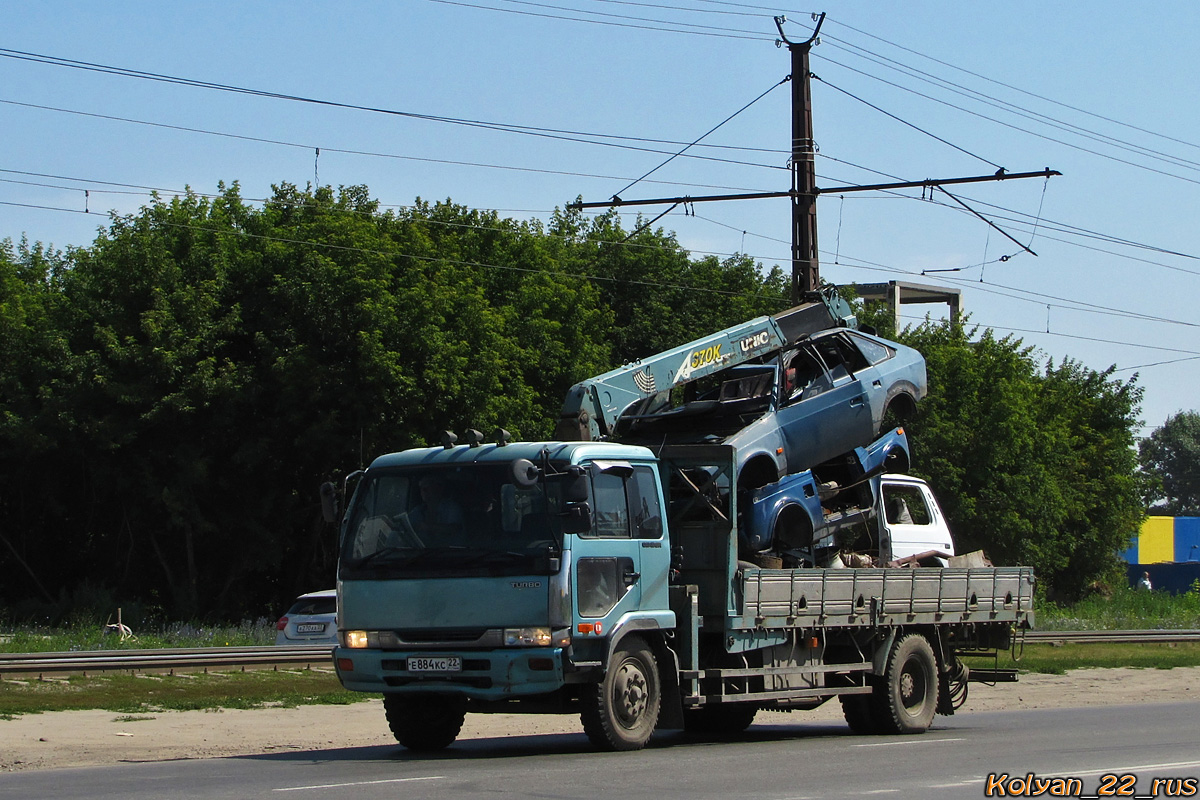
[1011, 126]
[630, 21]
[526, 130]
[703, 136]
[909, 124]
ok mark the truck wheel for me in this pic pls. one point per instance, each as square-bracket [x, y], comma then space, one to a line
[719, 720]
[425, 722]
[621, 711]
[908, 697]
[859, 713]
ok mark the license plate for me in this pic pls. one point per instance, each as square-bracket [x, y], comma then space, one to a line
[434, 664]
[310, 627]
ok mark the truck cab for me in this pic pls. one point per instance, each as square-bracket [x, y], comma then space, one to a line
[494, 572]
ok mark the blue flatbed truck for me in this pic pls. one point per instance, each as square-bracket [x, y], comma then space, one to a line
[604, 580]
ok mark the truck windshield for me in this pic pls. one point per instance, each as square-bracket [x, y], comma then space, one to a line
[423, 522]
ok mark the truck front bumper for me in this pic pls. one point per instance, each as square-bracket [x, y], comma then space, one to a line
[484, 674]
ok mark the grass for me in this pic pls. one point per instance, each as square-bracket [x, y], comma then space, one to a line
[1058, 659]
[90, 635]
[135, 696]
[1123, 609]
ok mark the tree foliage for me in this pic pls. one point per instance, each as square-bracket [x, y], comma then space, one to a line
[174, 393]
[1170, 460]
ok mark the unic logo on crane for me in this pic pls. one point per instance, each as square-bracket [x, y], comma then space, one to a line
[755, 341]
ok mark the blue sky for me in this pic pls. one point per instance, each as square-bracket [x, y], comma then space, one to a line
[1103, 92]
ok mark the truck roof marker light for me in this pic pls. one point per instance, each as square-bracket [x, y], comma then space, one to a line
[474, 438]
[502, 437]
[448, 439]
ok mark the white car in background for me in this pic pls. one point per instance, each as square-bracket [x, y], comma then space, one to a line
[312, 619]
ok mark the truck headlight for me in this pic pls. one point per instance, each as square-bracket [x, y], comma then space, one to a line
[358, 639]
[527, 637]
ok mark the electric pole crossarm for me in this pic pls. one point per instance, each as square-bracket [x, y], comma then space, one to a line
[875, 187]
[616, 201]
[930, 182]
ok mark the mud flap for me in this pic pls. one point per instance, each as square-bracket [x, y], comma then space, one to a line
[670, 714]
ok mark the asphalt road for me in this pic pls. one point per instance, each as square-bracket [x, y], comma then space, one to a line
[804, 760]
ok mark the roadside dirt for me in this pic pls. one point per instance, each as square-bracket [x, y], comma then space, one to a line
[88, 738]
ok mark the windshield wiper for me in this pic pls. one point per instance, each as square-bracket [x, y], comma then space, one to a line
[494, 557]
[442, 550]
[378, 554]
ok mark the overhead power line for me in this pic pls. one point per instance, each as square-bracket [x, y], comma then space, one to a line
[372, 153]
[640, 23]
[1025, 92]
[525, 130]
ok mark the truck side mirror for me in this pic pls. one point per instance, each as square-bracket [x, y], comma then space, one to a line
[329, 502]
[575, 486]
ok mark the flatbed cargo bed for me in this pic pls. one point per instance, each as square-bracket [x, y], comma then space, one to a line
[816, 598]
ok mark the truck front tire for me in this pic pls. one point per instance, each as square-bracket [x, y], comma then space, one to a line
[425, 722]
[907, 699]
[621, 712]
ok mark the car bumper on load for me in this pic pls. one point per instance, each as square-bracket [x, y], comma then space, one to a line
[484, 675]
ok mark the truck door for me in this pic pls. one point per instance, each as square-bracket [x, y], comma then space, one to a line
[621, 565]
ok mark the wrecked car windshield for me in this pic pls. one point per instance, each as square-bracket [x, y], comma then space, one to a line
[430, 522]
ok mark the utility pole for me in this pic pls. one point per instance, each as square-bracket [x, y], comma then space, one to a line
[806, 270]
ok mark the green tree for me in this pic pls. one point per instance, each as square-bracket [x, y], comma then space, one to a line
[33, 355]
[1170, 459]
[174, 393]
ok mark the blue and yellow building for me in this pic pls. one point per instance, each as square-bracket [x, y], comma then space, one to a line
[1169, 549]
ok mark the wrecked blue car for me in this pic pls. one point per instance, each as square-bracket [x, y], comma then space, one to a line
[812, 505]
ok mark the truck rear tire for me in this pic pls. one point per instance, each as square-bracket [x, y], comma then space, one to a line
[425, 722]
[859, 711]
[907, 699]
[621, 712]
[719, 720]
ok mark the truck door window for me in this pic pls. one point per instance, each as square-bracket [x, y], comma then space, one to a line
[905, 505]
[611, 510]
[643, 503]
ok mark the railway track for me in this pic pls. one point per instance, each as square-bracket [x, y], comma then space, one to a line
[198, 659]
[236, 659]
